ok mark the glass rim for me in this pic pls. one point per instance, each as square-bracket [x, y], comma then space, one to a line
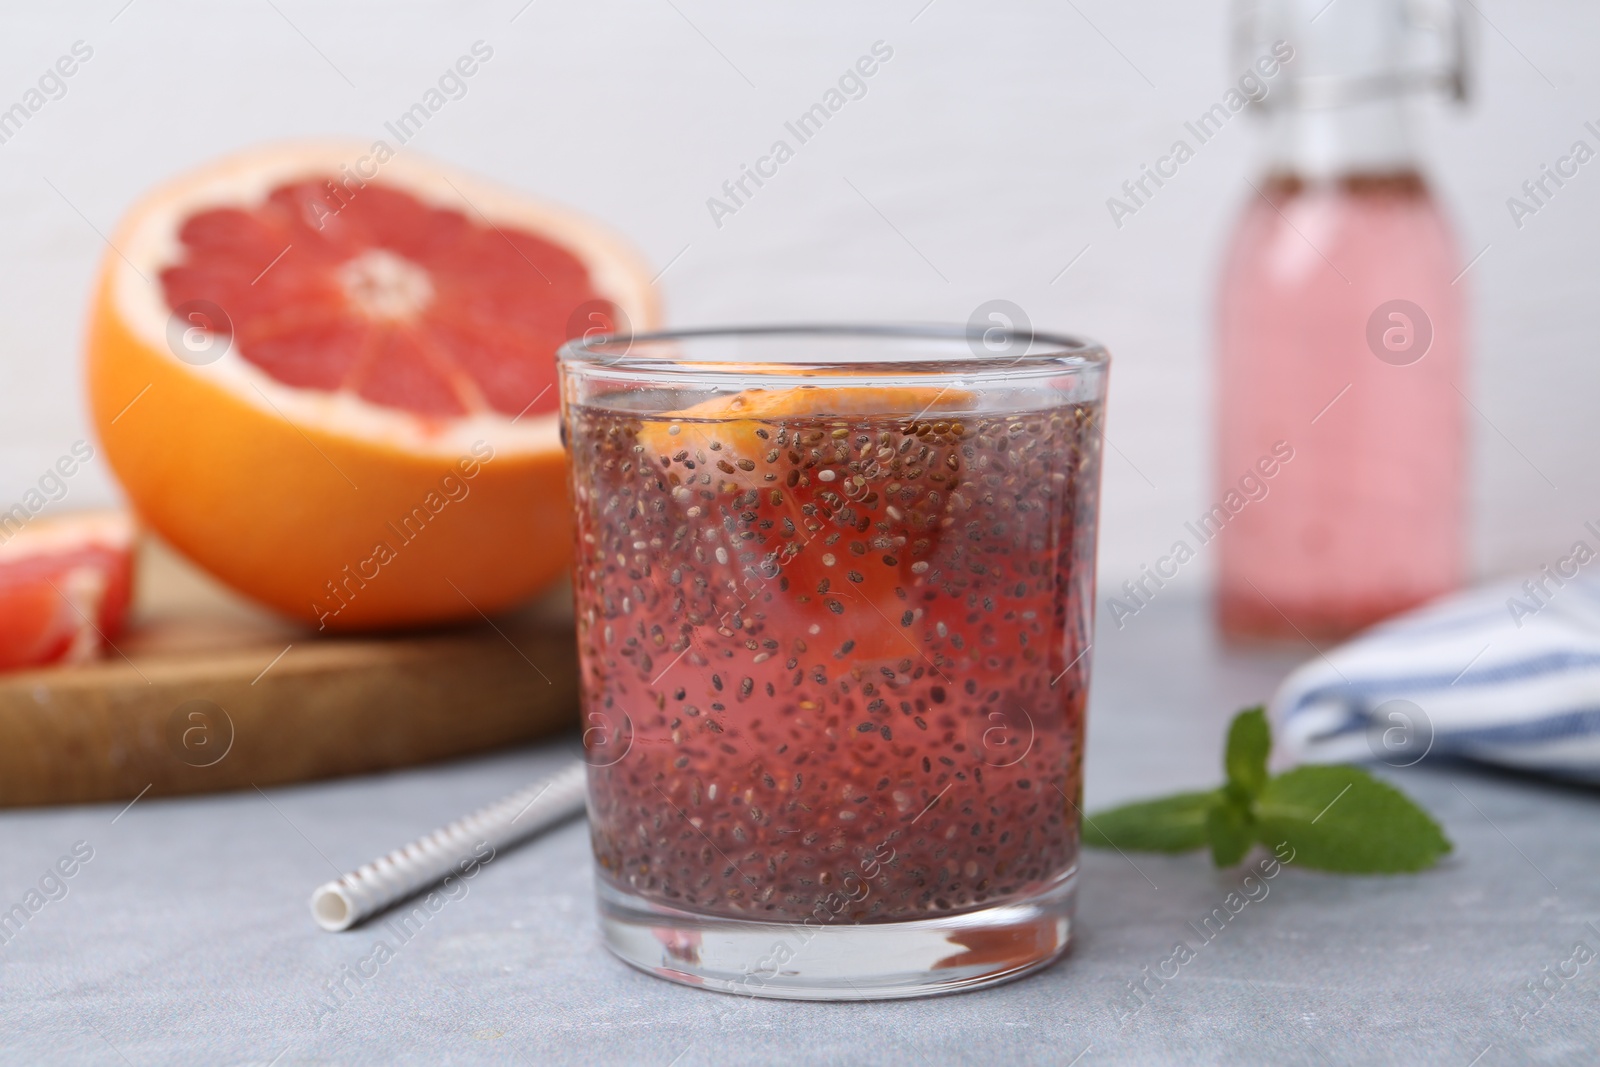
[1060, 353]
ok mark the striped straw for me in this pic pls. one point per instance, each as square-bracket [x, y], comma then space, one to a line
[370, 889]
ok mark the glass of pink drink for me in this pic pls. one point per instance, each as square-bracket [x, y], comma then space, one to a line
[834, 596]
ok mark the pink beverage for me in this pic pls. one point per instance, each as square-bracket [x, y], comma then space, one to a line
[1365, 519]
[805, 694]
[1340, 459]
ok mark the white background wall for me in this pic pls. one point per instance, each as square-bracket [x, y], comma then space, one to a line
[990, 141]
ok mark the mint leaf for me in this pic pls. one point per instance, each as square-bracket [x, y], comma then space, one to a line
[1231, 832]
[1340, 818]
[1335, 818]
[1245, 759]
[1171, 824]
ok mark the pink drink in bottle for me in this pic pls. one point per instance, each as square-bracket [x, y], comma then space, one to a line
[1340, 351]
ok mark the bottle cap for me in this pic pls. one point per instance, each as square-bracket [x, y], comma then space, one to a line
[1352, 51]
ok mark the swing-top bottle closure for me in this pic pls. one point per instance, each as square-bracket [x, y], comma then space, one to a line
[1350, 52]
[1340, 107]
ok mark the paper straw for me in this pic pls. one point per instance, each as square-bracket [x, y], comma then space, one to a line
[370, 889]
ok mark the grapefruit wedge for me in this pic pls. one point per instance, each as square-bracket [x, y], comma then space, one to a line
[807, 575]
[64, 587]
[326, 374]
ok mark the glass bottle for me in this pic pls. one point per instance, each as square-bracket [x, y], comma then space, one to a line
[1340, 448]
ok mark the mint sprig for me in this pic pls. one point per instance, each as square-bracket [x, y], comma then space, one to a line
[1334, 817]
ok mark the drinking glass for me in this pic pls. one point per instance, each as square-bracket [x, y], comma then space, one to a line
[834, 596]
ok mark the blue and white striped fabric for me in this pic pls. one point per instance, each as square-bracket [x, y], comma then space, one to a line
[1507, 674]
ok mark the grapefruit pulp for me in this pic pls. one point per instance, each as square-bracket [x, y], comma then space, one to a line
[64, 587]
[735, 438]
[327, 376]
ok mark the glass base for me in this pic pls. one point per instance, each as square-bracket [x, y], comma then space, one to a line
[818, 961]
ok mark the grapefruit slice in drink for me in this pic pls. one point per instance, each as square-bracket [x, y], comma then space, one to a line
[850, 532]
[326, 374]
[64, 587]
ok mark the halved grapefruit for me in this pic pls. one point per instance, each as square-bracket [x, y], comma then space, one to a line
[64, 587]
[326, 374]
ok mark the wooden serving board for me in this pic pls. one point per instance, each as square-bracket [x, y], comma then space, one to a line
[209, 693]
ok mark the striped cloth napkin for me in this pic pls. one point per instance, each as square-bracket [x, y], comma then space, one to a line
[1507, 674]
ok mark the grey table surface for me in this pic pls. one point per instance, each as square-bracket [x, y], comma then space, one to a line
[186, 938]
